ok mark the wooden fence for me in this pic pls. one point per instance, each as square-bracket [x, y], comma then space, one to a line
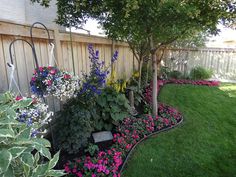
[65, 54]
[221, 61]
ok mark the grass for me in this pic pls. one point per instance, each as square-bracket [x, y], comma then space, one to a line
[203, 146]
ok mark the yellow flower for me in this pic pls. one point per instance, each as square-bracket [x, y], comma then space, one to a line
[135, 74]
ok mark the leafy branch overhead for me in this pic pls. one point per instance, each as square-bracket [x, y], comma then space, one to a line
[153, 23]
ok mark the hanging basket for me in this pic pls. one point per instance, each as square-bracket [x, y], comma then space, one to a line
[52, 81]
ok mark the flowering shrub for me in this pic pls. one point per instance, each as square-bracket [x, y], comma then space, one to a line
[160, 83]
[50, 80]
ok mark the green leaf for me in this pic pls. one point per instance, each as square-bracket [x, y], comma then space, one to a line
[26, 170]
[9, 172]
[17, 151]
[43, 142]
[6, 97]
[11, 113]
[24, 103]
[5, 160]
[8, 133]
[7, 121]
[115, 108]
[101, 101]
[27, 159]
[36, 158]
[40, 170]
[54, 160]
[25, 134]
[55, 173]
[43, 150]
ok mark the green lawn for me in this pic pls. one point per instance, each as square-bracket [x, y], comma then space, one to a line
[203, 146]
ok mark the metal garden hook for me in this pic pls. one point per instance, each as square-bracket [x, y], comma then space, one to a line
[11, 52]
[32, 41]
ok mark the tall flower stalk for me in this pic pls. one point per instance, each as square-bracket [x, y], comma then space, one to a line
[93, 82]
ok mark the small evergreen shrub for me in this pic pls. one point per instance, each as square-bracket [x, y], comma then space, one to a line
[200, 73]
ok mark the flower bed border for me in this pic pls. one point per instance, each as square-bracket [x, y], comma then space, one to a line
[145, 138]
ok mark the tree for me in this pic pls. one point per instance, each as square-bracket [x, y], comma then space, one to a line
[156, 23]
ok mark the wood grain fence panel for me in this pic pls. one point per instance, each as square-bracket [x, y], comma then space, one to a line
[108, 55]
[21, 68]
[79, 58]
[76, 59]
[3, 75]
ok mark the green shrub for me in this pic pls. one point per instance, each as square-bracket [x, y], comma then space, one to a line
[74, 124]
[175, 75]
[164, 72]
[17, 144]
[199, 73]
[92, 149]
[112, 107]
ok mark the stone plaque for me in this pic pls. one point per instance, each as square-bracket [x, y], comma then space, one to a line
[102, 136]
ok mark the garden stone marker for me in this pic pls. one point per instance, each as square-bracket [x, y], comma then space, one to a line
[102, 136]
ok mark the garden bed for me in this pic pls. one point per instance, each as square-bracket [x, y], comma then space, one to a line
[131, 132]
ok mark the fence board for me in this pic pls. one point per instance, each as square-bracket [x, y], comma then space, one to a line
[3, 75]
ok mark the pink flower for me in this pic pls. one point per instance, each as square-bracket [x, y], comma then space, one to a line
[79, 174]
[49, 82]
[74, 170]
[107, 172]
[128, 146]
[67, 169]
[40, 69]
[18, 98]
[67, 76]
[53, 71]
[33, 79]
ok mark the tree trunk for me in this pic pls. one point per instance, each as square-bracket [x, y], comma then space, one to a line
[154, 78]
[147, 74]
[140, 73]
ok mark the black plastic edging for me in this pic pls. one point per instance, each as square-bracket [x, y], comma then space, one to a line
[145, 138]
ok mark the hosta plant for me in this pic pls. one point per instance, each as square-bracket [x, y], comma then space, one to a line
[21, 154]
[112, 108]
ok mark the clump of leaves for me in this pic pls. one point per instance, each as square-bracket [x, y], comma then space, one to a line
[199, 73]
[112, 107]
[74, 124]
[92, 149]
[20, 152]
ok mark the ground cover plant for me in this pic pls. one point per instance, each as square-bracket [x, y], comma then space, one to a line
[203, 146]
